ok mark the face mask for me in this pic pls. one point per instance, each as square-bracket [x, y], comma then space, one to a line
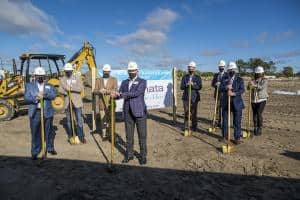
[40, 79]
[221, 69]
[231, 73]
[105, 75]
[256, 76]
[68, 74]
[132, 75]
[191, 71]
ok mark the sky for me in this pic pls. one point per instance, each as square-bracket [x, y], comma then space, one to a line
[157, 34]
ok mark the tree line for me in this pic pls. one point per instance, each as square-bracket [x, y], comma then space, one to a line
[247, 67]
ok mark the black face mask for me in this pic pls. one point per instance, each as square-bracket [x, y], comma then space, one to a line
[68, 74]
[191, 72]
[40, 80]
[132, 75]
[221, 69]
[231, 73]
[257, 76]
[105, 75]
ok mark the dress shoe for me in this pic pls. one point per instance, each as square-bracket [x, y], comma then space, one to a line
[53, 152]
[83, 140]
[34, 157]
[143, 161]
[127, 159]
[259, 132]
[237, 142]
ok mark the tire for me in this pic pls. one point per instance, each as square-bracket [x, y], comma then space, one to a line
[7, 111]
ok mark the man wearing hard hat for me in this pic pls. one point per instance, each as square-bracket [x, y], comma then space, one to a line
[216, 81]
[259, 98]
[103, 88]
[34, 92]
[70, 83]
[233, 86]
[132, 90]
[196, 84]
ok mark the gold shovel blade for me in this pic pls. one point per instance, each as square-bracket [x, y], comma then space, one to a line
[227, 149]
[211, 130]
[246, 134]
[186, 133]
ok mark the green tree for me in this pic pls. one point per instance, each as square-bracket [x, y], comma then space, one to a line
[288, 71]
[248, 67]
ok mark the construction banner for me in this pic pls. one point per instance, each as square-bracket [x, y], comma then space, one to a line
[159, 92]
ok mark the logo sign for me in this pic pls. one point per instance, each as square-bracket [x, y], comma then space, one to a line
[159, 91]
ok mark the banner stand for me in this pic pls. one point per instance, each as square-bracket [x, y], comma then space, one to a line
[174, 95]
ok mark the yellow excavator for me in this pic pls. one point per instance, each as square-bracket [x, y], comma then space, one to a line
[12, 87]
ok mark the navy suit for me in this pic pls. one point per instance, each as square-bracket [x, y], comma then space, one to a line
[195, 98]
[31, 93]
[135, 113]
[236, 106]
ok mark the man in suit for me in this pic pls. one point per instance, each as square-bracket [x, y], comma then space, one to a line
[103, 88]
[34, 92]
[132, 90]
[72, 84]
[196, 84]
[216, 82]
[233, 86]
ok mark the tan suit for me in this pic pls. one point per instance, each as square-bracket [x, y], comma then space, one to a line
[103, 91]
[76, 87]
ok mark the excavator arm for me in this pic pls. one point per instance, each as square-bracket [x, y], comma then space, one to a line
[86, 53]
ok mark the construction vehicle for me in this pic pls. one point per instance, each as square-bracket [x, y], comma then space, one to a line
[12, 88]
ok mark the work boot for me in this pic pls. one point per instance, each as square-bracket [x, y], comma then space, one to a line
[237, 142]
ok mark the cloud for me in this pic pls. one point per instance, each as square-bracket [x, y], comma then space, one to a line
[211, 52]
[241, 44]
[150, 35]
[21, 17]
[288, 54]
[266, 37]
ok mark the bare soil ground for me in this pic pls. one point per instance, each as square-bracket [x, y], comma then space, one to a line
[265, 167]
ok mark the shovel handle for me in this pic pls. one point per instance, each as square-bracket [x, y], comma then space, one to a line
[43, 129]
[112, 121]
[189, 107]
[216, 106]
[71, 113]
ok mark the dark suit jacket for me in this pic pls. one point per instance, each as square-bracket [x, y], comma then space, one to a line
[31, 92]
[238, 88]
[134, 98]
[197, 85]
[215, 80]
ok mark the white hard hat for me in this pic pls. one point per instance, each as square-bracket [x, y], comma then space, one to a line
[192, 64]
[39, 71]
[222, 63]
[132, 66]
[232, 66]
[68, 67]
[106, 68]
[259, 70]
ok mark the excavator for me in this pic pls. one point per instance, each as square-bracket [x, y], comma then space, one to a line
[12, 87]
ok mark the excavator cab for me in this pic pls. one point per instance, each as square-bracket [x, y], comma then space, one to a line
[12, 88]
